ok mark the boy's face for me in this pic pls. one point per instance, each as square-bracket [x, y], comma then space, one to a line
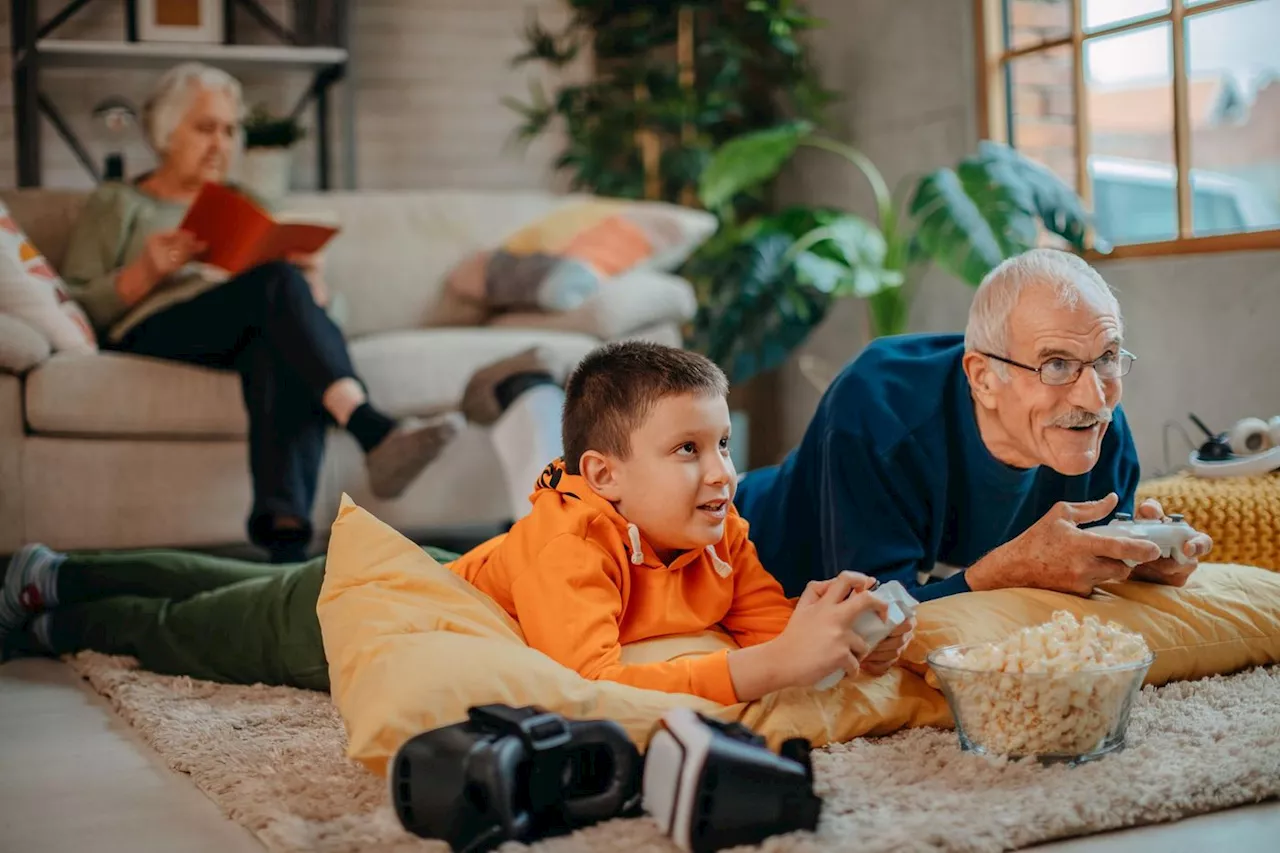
[678, 481]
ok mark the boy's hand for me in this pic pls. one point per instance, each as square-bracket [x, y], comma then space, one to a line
[885, 655]
[819, 638]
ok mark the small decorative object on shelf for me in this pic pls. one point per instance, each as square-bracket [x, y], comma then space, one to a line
[198, 21]
[268, 142]
[115, 119]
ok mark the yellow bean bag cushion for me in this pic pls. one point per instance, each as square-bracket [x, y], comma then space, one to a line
[411, 646]
[1225, 619]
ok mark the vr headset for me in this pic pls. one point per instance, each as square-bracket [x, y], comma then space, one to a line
[513, 774]
[520, 774]
[711, 785]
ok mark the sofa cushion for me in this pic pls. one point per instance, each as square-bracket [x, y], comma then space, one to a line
[396, 249]
[422, 372]
[115, 394]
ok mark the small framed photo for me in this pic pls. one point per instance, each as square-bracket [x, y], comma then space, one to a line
[180, 20]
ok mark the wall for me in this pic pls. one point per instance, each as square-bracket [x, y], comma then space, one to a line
[429, 79]
[1205, 327]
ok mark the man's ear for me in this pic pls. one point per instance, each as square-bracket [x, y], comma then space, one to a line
[984, 382]
[601, 475]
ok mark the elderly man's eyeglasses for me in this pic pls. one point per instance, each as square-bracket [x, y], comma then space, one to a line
[1064, 371]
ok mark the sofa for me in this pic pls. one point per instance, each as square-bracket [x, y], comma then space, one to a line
[105, 450]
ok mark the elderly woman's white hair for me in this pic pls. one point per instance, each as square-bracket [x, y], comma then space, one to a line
[172, 97]
[993, 303]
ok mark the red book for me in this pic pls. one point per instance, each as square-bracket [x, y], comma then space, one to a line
[240, 234]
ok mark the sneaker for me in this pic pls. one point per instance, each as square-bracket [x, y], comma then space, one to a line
[407, 450]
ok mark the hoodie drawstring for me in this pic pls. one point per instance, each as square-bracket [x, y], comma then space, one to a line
[722, 568]
[637, 549]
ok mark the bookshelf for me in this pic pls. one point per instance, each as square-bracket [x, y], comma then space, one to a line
[317, 45]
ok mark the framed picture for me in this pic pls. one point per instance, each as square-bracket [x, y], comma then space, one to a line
[180, 20]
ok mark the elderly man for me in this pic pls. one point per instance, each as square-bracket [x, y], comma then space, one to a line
[954, 464]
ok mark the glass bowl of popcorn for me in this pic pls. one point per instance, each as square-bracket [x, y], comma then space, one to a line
[1058, 692]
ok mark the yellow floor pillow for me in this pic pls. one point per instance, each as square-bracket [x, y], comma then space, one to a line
[1225, 619]
[411, 646]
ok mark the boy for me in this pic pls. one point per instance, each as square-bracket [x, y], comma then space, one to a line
[634, 537]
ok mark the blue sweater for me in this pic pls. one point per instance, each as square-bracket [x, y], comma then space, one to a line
[892, 478]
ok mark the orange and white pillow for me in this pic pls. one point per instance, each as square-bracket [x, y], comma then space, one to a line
[32, 291]
[561, 260]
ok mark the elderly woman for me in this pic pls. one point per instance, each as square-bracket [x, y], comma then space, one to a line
[134, 272]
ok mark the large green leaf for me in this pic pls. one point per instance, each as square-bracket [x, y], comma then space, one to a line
[743, 163]
[859, 266]
[757, 303]
[990, 208]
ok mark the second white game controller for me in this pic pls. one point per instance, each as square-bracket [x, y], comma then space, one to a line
[871, 628]
[1170, 534]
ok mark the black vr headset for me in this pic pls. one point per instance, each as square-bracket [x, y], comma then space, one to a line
[513, 774]
[519, 774]
[711, 785]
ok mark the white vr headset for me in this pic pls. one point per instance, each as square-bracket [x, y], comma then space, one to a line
[711, 785]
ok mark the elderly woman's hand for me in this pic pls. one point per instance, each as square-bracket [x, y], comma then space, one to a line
[163, 254]
[312, 267]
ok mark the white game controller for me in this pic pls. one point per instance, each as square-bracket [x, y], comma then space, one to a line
[871, 628]
[1170, 535]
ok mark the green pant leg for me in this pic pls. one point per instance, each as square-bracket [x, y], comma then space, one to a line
[259, 630]
[89, 576]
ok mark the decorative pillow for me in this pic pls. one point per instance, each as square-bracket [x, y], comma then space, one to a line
[1225, 619]
[33, 292]
[559, 261]
[411, 646]
[21, 347]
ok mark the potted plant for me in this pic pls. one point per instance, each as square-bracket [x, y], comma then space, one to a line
[268, 155]
[765, 283]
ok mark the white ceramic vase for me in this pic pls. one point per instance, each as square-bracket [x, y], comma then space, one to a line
[265, 171]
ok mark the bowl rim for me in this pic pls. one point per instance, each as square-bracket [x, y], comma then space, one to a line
[931, 660]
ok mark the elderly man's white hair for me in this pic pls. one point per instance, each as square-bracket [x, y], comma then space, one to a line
[993, 303]
[172, 97]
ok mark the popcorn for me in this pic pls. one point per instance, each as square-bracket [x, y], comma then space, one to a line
[1045, 690]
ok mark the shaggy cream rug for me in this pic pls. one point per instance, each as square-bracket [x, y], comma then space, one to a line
[272, 759]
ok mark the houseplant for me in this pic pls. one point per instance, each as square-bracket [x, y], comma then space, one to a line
[268, 154]
[765, 282]
[671, 81]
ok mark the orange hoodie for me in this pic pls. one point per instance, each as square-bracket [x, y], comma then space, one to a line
[582, 582]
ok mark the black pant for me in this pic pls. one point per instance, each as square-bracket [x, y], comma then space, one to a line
[265, 325]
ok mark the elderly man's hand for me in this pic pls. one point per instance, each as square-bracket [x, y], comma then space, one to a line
[1168, 570]
[1054, 553]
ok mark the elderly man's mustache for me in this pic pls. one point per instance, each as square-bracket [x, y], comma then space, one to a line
[1080, 418]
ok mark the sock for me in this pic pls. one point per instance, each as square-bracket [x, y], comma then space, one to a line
[30, 585]
[513, 386]
[369, 426]
[39, 632]
[525, 439]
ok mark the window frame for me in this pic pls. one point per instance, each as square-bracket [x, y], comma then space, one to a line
[992, 114]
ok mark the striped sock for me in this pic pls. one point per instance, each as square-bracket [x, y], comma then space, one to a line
[30, 585]
[40, 632]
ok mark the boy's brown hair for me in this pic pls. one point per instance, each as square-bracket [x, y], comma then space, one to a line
[614, 388]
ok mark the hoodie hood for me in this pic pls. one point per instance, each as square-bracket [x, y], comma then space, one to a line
[557, 484]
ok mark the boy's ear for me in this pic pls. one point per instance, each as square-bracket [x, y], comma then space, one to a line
[599, 472]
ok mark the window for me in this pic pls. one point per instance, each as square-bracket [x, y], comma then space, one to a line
[1164, 115]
